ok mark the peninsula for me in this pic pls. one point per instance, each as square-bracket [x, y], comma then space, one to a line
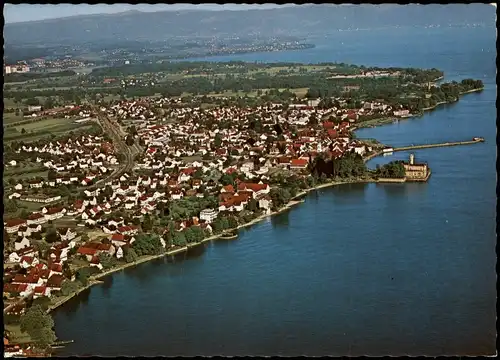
[122, 165]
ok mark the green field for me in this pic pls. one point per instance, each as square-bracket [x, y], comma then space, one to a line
[20, 175]
[300, 92]
[42, 129]
[45, 124]
[23, 168]
[9, 103]
[16, 335]
[30, 206]
[9, 118]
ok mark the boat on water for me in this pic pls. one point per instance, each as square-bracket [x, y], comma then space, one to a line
[229, 236]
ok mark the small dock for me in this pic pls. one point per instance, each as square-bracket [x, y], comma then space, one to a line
[60, 344]
[427, 146]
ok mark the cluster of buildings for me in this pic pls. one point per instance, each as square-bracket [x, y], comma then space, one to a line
[18, 68]
[182, 159]
[31, 272]
[199, 129]
[81, 161]
[64, 63]
[66, 111]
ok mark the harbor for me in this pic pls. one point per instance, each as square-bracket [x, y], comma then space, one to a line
[418, 172]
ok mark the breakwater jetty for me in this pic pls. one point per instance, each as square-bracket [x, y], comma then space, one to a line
[426, 146]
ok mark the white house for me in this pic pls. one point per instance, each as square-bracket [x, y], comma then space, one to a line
[208, 215]
[15, 195]
[22, 243]
[67, 235]
[14, 257]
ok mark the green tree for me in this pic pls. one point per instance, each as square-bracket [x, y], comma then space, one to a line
[42, 301]
[69, 287]
[232, 222]
[218, 141]
[39, 325]
[179, 238]
[280, 197]
[108, 191]
[130, 255]
[253, 205]
[42, 247]
[107, 261]
[226, 179]
[49, 103]
[83, 275]
[52, 236]
[129, 140]
[10, 206]
[147, 223]
[147, 245]
[190, 236]
[24, 214]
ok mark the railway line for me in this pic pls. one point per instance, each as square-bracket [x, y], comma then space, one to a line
[117, 134]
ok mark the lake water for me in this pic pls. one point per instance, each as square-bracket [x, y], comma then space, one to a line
[356, 269]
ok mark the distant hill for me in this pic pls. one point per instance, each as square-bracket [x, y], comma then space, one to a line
[299, 21]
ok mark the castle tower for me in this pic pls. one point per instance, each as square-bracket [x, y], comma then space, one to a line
[412, 159]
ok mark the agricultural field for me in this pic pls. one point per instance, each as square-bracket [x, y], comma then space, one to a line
[44, 124]
[9, 118]
[300, 92]
[9, 103]
[234, 71]
[30, 206]
[42, 129]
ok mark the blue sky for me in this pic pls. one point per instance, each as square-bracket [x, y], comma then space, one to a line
[31, 12]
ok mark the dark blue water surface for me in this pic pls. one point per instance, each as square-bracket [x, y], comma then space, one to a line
[357, 269]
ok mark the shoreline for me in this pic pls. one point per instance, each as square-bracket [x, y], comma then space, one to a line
[385, 120]
[93, 280]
